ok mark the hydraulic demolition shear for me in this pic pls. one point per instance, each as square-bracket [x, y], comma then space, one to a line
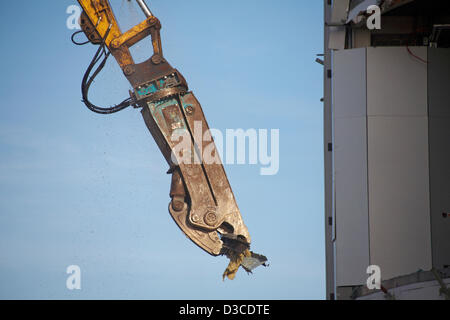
[202, 202]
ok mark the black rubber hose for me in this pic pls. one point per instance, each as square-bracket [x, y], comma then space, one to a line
[88, 79]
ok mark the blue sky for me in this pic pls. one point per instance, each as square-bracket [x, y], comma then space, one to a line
[77, 188]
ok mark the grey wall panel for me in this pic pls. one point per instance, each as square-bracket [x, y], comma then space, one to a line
[439, 109]
[350, 167]
[439, 82]
[349, 83]
[395, 82]
[352, 235]
[440, 189]
[399, 209]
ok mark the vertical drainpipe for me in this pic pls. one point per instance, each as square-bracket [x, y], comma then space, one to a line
[328, 158]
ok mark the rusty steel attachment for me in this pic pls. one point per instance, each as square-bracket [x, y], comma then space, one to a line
[202, 201]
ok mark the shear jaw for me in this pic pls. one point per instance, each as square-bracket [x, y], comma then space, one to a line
[230, 236]
[232, 243]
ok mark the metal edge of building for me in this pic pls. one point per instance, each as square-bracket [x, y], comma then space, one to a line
[328, 158]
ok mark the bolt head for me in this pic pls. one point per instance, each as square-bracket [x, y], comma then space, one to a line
[211, 219]
[189, 110]
[157, 59]
[115, 43]
[128, 70]
[177, 206]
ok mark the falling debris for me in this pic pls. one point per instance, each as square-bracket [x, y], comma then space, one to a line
[235, 262]
[253, 261]
[247, 260]
[238, 251]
